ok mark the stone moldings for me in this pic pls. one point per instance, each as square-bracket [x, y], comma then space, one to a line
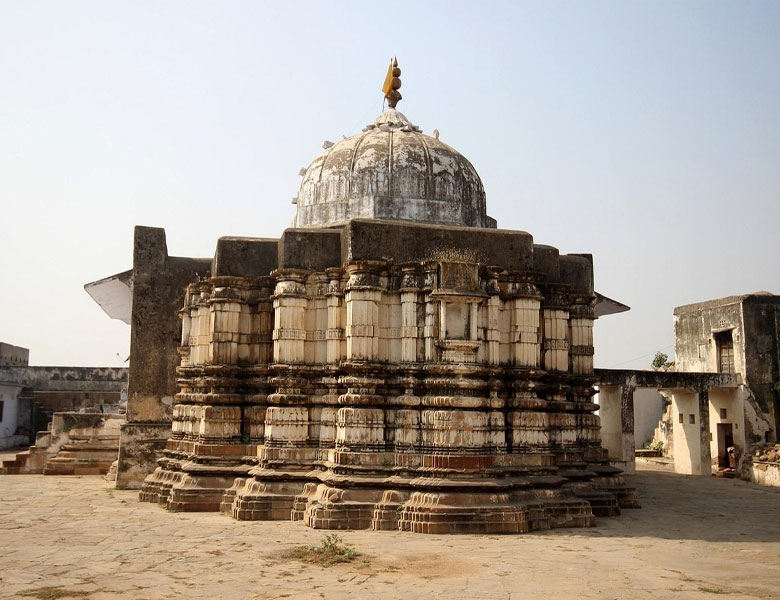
[446, 393]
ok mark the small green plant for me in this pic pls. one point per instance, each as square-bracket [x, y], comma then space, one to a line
[661, 361]
[657, 446]
[399, 509]
[331, 551]
[333, 544]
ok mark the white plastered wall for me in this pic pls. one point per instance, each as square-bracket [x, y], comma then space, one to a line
[648, 411]
[10, 417]
[687, 434]
[611, 421]
[732, 401]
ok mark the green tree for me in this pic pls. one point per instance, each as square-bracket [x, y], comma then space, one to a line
[661, 361]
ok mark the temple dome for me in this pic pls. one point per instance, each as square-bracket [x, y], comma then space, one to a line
[391, 171]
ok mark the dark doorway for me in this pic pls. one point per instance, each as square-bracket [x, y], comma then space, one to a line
[725, 441]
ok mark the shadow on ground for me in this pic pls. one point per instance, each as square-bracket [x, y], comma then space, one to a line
[684, 507]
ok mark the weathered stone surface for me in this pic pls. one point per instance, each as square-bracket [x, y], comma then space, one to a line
[402, 242]
[434, 395]
[406, 366]
[245, 257]
[750, 323]
[315, 249]
[159, 283]
[391, 171]
[76, 443]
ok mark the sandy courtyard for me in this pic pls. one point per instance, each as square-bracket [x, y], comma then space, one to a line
[74, 537]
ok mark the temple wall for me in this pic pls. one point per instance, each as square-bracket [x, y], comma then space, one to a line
[159, 283]
[342, 364]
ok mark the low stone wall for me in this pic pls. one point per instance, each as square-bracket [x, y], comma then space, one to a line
[765, 473]
[74, 444]
[763, 467]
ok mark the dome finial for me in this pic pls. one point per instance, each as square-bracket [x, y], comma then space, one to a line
[392, 83]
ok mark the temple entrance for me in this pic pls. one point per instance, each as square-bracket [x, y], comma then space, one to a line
[725, 441]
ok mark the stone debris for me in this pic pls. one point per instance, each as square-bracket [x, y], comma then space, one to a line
[768, 453]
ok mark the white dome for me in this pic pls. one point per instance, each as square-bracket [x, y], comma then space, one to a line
[391, 171]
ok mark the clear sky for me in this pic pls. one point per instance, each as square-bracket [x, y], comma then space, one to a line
[645, 133]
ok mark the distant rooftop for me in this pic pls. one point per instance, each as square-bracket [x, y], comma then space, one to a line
[761, 296]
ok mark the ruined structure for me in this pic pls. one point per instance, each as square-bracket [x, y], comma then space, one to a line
[394, 361]
[738, 334]
[722, 390]
[15, 412]
[75, 411]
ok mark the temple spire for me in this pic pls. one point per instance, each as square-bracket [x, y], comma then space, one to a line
[392, 83]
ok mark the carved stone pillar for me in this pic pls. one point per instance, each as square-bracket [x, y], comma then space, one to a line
[289, 333]
[335, 331]
[492, 341]
[186, 315]
[363, 294]
[555, 329]
[431, 326]
[196, 334]
[225, 323]
[525, 322]
[581, 334]
[316, 319]
[410, 292]
[261, 321]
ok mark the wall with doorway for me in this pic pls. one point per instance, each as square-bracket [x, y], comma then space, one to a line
[727, 415]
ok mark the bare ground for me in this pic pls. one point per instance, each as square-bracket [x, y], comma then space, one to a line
[697, 538]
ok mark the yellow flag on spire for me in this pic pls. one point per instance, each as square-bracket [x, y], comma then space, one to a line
[392, 83]
[387, 87]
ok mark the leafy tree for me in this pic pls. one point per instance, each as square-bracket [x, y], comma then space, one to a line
[661, 361]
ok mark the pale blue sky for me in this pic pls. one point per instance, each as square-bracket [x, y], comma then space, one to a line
[646, 133]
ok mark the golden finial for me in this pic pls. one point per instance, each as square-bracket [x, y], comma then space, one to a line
[392, 83]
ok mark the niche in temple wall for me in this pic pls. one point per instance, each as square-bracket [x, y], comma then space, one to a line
[459, 296]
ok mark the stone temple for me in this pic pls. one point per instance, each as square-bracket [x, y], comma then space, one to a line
[393, 361]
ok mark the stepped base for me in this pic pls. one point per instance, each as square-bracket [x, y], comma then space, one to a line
[271, 501]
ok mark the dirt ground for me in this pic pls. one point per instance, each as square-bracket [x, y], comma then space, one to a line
[75, 537]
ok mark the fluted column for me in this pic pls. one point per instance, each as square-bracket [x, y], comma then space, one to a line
[525, 322]
[431, 327]
[289, 333]
[261, 321]
[581, 334]
[363, 294]
[555, 343]
[335, 331]
[225, 308]
[410, 292]
[493, 316]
